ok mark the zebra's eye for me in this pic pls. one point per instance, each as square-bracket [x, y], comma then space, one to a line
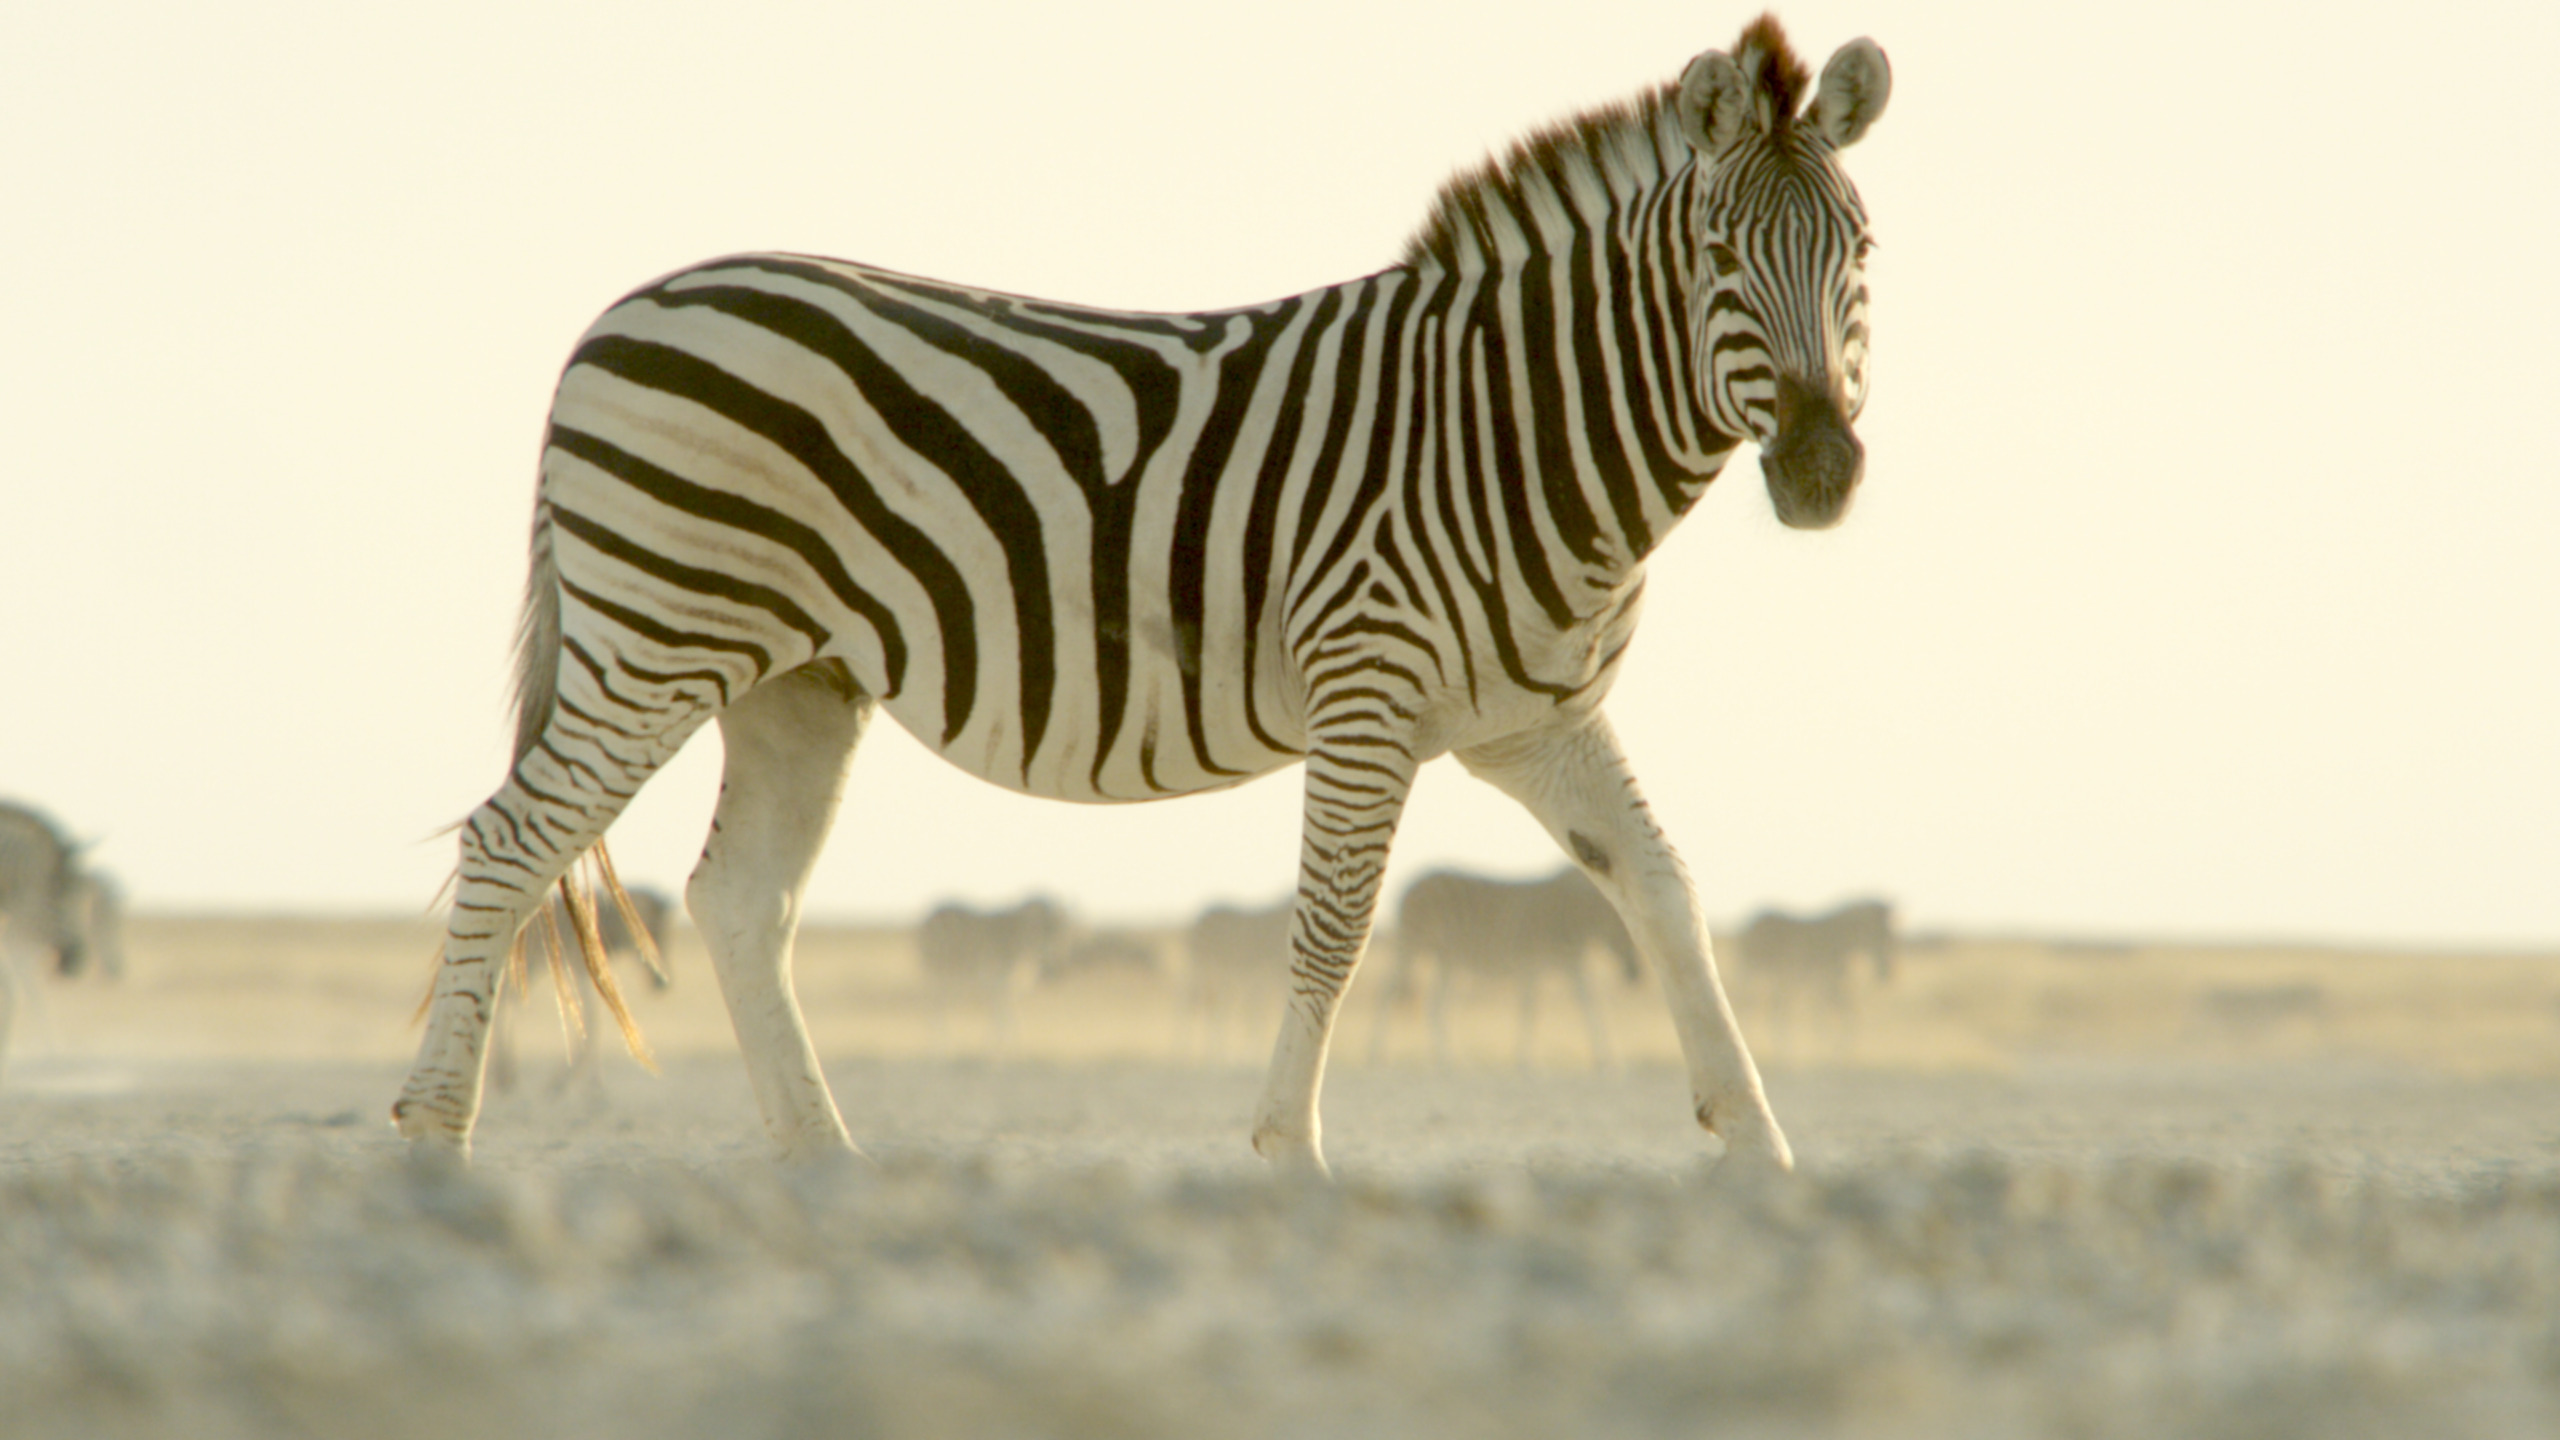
[1866, 247]
[1722, 257]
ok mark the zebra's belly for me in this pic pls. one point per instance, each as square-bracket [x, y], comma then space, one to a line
[1171, 736]
[1163, 738]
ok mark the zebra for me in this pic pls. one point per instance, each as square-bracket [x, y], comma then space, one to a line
[1105, 556]
[51, 905]
[655, 911]
[1517, 930]
[1106, 954]
[50, 902]
[1233, 956]
[1794, 957]
[987, 957]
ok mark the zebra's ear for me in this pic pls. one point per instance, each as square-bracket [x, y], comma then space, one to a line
[1715, 103]
[1855, 86]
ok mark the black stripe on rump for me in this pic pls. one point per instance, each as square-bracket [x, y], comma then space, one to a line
[603, 676]
[804, 438]
[659, 632]
[693, 578]
[766, 523]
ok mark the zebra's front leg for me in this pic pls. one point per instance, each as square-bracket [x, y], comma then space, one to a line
[1356, 789]
[786, 747]
[1575, 780]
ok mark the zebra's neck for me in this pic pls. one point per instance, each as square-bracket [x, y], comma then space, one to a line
[1571, 260]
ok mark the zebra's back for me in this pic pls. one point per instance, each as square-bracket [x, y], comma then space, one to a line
[985, 506]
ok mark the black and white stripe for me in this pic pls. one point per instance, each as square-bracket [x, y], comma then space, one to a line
[1108, 556]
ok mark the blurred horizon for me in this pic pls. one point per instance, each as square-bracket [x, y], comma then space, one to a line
[2094, 945]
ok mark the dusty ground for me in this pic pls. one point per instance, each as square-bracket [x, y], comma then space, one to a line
[2045, 1190]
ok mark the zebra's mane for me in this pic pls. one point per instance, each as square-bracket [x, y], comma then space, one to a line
[1614, 153]
[1775, 71]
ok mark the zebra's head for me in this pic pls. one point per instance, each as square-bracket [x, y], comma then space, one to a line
[1778, 316]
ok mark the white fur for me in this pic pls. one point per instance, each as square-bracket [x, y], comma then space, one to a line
[786, 746]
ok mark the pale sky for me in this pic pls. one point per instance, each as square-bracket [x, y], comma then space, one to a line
[2206, 578]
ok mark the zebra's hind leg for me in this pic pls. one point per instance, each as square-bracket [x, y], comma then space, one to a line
[564, 791]
[787, 744]
[1355, 795]
[1575, 780]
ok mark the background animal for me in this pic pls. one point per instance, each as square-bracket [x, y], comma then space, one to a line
[1235, 963]
[57, 916]
[1468, 930]
[985, 959]
[1797, 960]
[1111, 953]
[51, 904]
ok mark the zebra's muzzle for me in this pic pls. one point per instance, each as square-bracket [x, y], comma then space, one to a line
[1814, 463]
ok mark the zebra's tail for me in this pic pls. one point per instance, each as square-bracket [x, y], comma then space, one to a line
[538, 640]
[537, 696]
[580, 902]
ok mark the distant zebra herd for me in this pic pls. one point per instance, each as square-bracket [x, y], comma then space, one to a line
[1465, 928]
[1453, 935]
[1800, 959]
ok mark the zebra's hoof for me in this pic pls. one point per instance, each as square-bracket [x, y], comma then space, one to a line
[1752, 1141]
[1291, 1157]
[439, 1152]
[825, 1158]
[430, 1128]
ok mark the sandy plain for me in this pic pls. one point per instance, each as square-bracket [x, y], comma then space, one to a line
[2045, 1189]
